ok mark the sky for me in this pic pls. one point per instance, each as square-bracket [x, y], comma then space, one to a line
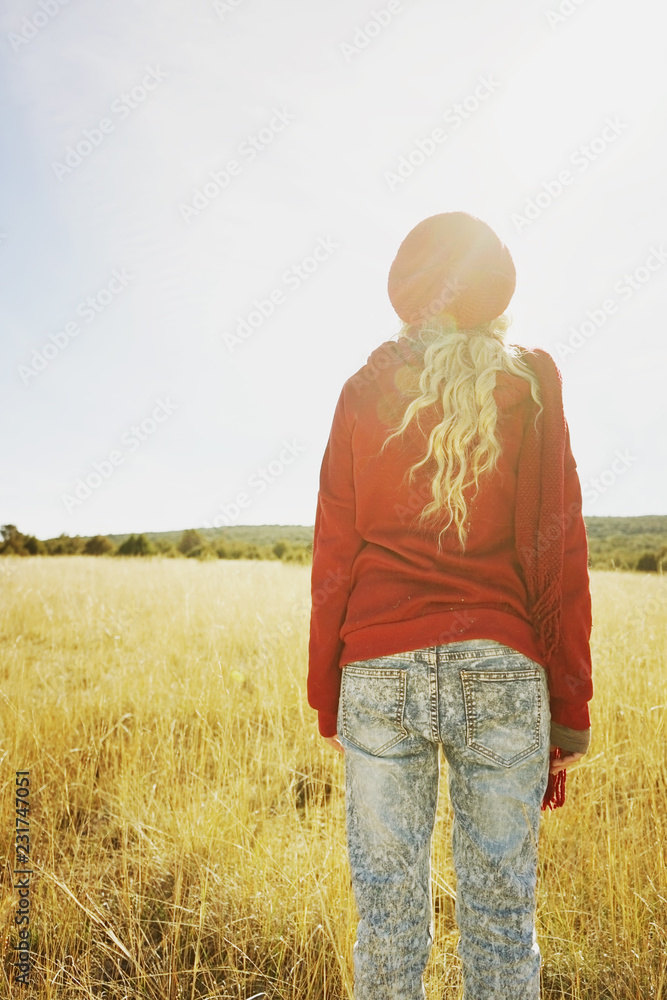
[201, 200]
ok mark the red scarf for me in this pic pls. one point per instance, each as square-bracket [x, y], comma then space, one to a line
[540, 522]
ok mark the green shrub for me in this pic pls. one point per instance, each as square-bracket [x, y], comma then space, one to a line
[136, 545]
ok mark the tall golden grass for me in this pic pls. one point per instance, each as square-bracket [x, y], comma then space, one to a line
[187, 821]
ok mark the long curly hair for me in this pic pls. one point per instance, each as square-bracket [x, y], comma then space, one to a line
[459, 375]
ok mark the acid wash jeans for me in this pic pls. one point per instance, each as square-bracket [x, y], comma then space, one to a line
[487, 705]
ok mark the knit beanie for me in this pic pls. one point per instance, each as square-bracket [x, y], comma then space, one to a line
[453, 263]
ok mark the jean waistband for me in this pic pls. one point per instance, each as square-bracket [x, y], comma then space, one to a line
[466, 649]
[470, 649]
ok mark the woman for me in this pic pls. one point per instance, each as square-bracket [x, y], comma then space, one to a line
[450, 608]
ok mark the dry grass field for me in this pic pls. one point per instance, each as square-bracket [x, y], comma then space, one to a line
[186, 821]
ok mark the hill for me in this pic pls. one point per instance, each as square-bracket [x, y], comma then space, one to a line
[250, 534]
[625, 543]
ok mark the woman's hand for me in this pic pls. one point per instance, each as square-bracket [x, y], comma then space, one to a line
[335, 743]
[562, 762]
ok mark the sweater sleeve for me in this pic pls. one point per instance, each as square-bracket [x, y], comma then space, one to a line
[570, 670]
[336, 543]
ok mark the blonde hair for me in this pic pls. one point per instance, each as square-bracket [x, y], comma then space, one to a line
[459, 373]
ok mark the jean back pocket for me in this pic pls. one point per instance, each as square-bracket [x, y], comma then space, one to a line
[503, 712]
[372, 703]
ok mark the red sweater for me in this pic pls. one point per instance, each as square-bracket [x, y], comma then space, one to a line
[379, 584]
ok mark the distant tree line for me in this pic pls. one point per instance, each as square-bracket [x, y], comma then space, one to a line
[644, 553]
[192, 545]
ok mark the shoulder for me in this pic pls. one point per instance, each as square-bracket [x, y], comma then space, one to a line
[540, 362]
[388, 355]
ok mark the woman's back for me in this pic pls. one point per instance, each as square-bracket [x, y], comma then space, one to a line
[386, 504]
[381, 582]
